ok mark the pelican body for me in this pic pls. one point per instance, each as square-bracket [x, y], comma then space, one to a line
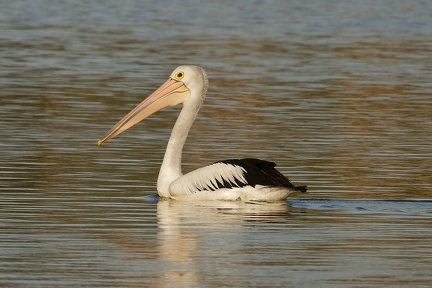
[235, 179]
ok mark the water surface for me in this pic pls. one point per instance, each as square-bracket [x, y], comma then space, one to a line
[337, 93]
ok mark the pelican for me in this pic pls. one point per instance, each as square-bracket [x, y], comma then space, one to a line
[235, 179]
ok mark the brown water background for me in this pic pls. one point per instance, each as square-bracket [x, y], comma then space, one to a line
[338, 93]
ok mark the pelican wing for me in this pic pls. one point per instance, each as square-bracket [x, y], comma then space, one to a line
[264, 173]
[229, 174]
[209, 178]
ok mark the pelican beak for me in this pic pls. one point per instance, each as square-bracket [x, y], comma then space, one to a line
[170, 93]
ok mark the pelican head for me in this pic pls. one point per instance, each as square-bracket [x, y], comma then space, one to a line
[186, 85]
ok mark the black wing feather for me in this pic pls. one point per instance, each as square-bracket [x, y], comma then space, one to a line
[259, 172]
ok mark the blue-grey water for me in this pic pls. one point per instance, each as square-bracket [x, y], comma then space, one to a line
[338, 93]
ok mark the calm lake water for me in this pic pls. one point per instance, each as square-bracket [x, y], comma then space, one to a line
[338, 93]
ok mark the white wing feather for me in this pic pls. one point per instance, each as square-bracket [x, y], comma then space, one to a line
[205, 178]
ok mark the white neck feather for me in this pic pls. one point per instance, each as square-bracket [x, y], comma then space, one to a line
[171, 165]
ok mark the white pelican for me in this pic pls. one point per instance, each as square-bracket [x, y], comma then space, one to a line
[235, 179]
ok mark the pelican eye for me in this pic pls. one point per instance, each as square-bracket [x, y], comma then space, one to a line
[179, 75]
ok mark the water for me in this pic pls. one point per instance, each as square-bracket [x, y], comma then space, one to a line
[337, 93]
